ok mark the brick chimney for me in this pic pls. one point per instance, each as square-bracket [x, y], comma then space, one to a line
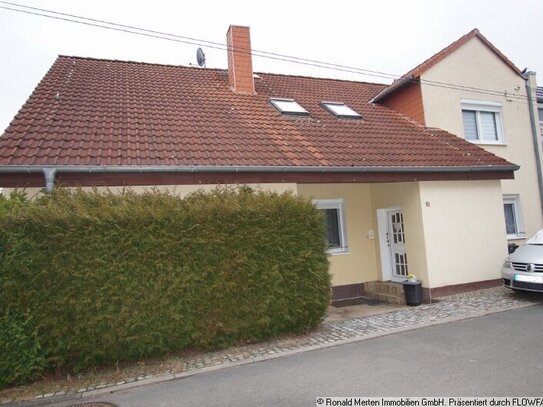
[240, 65]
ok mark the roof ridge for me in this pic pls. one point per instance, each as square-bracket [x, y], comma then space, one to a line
[321, 78]
[438, 56]
[417, 71]
[137, 62]
[215, 69]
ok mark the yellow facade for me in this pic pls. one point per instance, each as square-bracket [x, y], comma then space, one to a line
[453, 229]
[359, 264]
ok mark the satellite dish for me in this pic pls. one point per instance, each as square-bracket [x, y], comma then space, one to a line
[200, 57]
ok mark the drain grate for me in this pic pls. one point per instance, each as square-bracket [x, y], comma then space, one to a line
[95, 404]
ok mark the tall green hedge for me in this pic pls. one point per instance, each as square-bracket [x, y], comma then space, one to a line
[110, 277]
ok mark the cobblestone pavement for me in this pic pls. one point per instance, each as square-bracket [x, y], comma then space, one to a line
[450, 308]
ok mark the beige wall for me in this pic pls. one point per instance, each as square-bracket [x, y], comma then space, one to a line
[360, 263]
[180, 190]
[30, 192]
[406, 196]
[464, 231]
[183, 190]
[440, 250]
[474, 65]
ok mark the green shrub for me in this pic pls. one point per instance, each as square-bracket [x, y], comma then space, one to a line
[16, 200]
[22, 359]
[115, 277]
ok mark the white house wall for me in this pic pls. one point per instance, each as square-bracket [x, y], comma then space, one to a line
[474, 65]
[463, 231]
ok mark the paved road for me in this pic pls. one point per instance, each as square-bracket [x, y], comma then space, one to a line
[494, 355]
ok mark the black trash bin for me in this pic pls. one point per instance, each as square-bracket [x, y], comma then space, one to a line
[413, 292]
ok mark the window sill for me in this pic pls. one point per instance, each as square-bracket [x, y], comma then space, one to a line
[338, 251]
[517, 236]
[488, 143]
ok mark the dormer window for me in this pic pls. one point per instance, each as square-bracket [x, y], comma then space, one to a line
[288, 106]
[341, 110]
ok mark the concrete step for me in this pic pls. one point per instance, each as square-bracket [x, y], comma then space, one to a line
[386, 287]
[385, 291]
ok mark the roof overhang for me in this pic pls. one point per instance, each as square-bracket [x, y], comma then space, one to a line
[131, 176]
[258, 169]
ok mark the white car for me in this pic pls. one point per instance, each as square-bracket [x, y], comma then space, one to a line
[523, 269]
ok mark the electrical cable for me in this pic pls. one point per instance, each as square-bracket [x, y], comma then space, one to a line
[521, 99]
[192, 41]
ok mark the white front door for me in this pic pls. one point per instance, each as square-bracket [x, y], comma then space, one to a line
[392, 244]
[395, 237]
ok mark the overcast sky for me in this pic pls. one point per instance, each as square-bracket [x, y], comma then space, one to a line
[388, 36]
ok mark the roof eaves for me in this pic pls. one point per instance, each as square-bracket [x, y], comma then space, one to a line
[245, 169]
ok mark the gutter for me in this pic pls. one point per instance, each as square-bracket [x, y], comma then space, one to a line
[535, 136]
[50, 171]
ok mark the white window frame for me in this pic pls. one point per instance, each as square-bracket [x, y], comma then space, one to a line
[515, 201]
[341, 110]
[288, 107]
[336, 204]
[485, 106]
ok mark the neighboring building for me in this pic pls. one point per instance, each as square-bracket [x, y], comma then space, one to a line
[399, 195]
[472, 90]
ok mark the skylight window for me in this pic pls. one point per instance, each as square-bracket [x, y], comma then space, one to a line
[340, 110]
[288, 106]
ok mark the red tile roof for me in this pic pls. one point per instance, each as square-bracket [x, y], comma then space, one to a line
[89, 112]
[416, 72]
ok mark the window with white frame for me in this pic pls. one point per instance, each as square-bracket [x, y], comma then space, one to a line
[288, 107]
[334, 224]
[341, 110]
[513, 217]
[482, 122]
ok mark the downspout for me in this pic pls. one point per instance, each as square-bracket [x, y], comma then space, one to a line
[529, 77]
[49, 174]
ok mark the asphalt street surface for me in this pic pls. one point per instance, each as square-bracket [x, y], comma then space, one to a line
[494, 355]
